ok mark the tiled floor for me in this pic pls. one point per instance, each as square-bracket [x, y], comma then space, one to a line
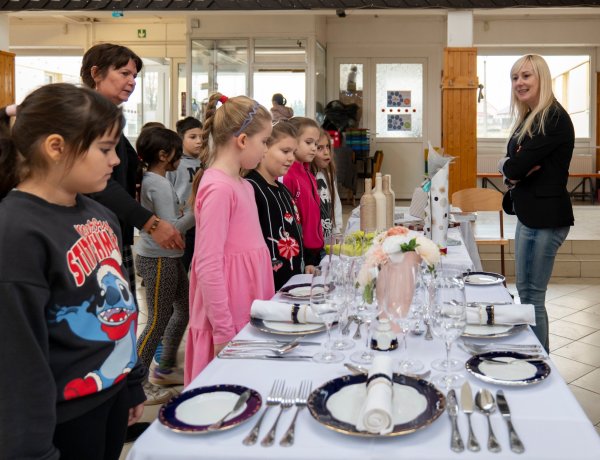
[574, 310]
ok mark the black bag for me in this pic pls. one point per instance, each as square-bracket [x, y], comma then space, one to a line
[507, 203]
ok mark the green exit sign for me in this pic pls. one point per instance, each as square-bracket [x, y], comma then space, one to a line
[141, 33]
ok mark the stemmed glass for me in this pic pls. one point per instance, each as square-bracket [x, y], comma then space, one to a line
[326, 307]
[404, 301]
[341, 295]
[366, 312]
[448, 321]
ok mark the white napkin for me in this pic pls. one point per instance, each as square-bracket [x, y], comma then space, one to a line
[270, 310]
[375, 415]
[503, 314]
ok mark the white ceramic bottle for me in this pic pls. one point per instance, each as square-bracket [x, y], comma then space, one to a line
[380, 205]
[390, 200]
[368, 212]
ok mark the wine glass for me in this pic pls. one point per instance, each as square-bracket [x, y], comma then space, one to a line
[327, 310]
[404, 301]
[448, 321]
[366, 310]
[341, 296]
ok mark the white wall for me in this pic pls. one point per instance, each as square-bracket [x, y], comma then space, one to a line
[4, 40]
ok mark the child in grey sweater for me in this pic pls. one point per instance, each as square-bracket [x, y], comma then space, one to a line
[162, 270]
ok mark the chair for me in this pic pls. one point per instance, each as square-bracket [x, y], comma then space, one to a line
[483, 199]
[376, 166]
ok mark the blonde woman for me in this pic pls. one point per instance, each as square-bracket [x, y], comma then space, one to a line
[536, 169]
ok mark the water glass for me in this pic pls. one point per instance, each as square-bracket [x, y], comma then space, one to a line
[323, 306]
[448, 321]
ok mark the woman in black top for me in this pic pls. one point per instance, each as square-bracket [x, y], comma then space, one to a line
[279, 217]
[536, 170]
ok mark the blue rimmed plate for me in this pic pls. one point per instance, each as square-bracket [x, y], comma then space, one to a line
[336, 404]
[193, 411]
[517, 371]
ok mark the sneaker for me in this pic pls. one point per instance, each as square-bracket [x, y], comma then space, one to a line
[156, 395]
[156, 358]
[172, 376]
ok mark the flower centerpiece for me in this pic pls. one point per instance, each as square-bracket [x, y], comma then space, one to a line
[394, 245]
[355, 244]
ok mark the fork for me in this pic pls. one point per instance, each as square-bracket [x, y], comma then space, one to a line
[300, 401]
[287, 401]
[480, 348]
[273, 399]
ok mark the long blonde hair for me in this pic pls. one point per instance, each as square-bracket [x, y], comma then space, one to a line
[235, 116]
[527, 121]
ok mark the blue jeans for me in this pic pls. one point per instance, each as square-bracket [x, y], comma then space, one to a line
[535, 251]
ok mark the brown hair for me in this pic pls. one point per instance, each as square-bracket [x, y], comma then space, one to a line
[330, 172]
[235, 116]
[281, 129]
[80, 115]
[103, 57]
[301, 123]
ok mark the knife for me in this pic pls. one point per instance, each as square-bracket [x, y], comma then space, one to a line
[273, 357]
[456, 443]
[249, 343]
[466, 401]
[515, 442]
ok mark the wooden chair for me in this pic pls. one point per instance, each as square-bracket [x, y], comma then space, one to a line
[482, 199]
[377, 161]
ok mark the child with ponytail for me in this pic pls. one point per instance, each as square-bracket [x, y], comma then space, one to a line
[231, 265]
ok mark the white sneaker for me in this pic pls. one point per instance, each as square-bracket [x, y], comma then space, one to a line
[156, 395]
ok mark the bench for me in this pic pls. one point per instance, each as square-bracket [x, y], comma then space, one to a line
[579, 191]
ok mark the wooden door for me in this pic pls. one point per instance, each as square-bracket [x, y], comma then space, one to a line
[459, 115]
[7, 78]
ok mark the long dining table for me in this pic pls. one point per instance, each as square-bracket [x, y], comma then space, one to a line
[546, 415]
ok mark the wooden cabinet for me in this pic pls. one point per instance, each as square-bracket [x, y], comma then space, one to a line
[7, 78]
[459, 115]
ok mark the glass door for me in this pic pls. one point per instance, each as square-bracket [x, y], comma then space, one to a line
[398, 104]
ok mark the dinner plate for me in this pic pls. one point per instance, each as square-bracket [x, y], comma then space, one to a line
[483, 331]
[193, 411]
[516, 373]
[285, 328]
[336, 404]
[483, 278]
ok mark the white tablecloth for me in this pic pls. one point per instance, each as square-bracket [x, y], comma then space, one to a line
[547, 416]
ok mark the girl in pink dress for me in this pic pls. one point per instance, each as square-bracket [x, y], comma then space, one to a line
[231, 265]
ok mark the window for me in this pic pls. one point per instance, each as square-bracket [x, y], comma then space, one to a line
[570, 83]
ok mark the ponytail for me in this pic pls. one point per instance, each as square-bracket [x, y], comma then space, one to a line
[9, 160]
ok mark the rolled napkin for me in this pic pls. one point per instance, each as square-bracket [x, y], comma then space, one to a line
[375, 415]
[501, 314]
[270, 310]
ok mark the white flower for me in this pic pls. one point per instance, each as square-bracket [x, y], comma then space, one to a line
[391, 244]
[428, 250]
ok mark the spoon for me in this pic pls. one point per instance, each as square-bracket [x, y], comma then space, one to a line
[484, 400]
[277, 350]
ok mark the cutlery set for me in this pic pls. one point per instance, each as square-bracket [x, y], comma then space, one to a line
[486, 404]
[266, 349]
[285, 399]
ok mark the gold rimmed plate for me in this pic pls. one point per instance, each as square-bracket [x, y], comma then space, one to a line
[336, 404]
[517, 371]
[286, 328]
[193, 411]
